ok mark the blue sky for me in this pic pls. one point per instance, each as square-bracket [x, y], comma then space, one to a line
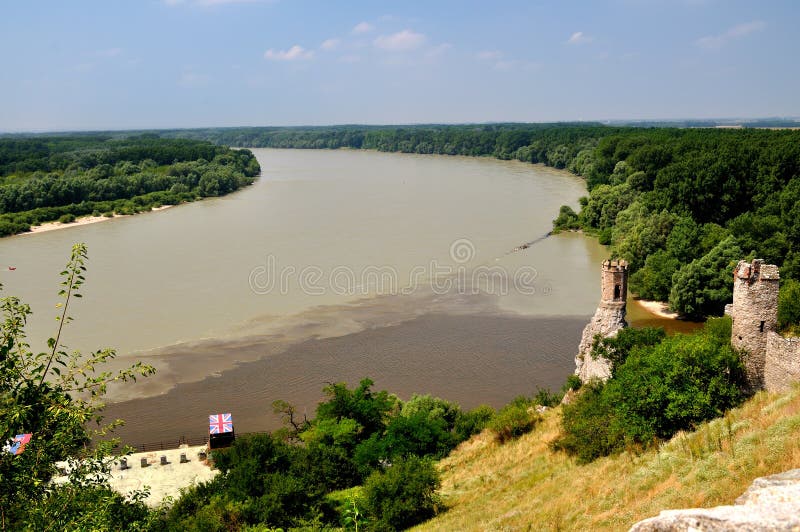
[106, 64]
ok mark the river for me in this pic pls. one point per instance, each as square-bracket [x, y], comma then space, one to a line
[333, 266]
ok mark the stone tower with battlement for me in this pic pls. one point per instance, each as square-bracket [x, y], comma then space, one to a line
[614, 283]
[755, 314]
[608, 319]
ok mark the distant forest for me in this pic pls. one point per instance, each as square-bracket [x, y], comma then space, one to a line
[47, 178]
[679, 204]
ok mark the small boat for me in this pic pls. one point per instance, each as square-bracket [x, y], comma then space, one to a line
[12, 268]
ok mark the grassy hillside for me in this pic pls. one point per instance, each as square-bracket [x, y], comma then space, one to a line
[523, 485]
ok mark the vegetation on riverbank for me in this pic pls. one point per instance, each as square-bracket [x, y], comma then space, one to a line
[45, 179]
[368, 458]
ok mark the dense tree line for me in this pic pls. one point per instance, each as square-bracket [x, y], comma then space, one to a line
[51, 178]
[680, 204]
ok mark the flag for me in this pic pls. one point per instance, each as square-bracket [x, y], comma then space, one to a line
[18, 443]
[219, 423]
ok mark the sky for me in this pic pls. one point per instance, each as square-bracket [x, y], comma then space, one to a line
[116, 64]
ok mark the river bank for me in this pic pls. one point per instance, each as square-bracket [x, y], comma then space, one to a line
[658, 308]
[84, 220]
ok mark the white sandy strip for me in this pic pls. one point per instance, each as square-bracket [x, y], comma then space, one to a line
[162, 480]
[85, 220]
[659, 308]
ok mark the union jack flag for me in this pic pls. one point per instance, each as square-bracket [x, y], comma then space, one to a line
[219, 423]
[18, 443]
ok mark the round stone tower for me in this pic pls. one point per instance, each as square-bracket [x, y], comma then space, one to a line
[614, 283]
[754, 313]
[608, 319]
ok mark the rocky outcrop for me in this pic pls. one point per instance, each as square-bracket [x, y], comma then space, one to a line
[608, 319]
[769, 504]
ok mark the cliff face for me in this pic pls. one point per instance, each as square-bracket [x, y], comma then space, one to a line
[608, 319]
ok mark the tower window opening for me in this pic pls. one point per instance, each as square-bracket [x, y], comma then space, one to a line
[617, 291]
[761, 327]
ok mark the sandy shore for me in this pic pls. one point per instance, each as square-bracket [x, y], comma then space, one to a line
[658, 308]
[84, 220]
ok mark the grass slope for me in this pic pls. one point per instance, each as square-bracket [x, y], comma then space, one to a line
[522, 485]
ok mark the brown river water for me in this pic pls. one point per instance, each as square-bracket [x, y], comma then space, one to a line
[333, 266]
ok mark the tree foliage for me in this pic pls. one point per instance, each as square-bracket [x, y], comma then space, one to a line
[659, 389]
[58, 178]
[57, 396]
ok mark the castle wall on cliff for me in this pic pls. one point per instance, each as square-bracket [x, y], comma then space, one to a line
[755, 314]
[771, 361]
[608, 319]
[782, 362]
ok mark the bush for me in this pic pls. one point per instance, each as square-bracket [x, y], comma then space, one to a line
[472, 422]
[616, 349]
[789, 305]
[403, 495]
[515, 419]
[67, 218]
[547, 398]
[567, 219]
[657, 391]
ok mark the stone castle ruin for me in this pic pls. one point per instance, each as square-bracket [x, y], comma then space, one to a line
[771, 361]
[608, 319]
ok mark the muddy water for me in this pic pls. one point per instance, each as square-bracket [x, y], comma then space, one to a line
[334, 265]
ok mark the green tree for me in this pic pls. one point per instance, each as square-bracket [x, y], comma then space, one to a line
[403, 495]
[703, 287]
[56, 396]
[789, 305]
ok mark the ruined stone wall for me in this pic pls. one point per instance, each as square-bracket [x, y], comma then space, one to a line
[782, 362]
[755, 314]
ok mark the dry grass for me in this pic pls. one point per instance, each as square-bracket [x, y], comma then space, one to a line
[522, 485]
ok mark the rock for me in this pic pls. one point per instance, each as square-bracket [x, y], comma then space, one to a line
[608, 319]
[770, 504]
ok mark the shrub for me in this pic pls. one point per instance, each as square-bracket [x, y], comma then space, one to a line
[567, 219]
[472, 422]
[789, 305]
[403, 495]
[657, 391]
[66, 218]
[515, 419]
[573, 383]
[616, 349]
[547, 398]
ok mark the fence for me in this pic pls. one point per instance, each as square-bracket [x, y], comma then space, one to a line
[165, 445]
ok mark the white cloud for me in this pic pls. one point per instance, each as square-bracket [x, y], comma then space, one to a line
[400, 41]
[294, 53]
[489, 55]
[715, 42]
[362, 27]
[579, 38]
[330, 44]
